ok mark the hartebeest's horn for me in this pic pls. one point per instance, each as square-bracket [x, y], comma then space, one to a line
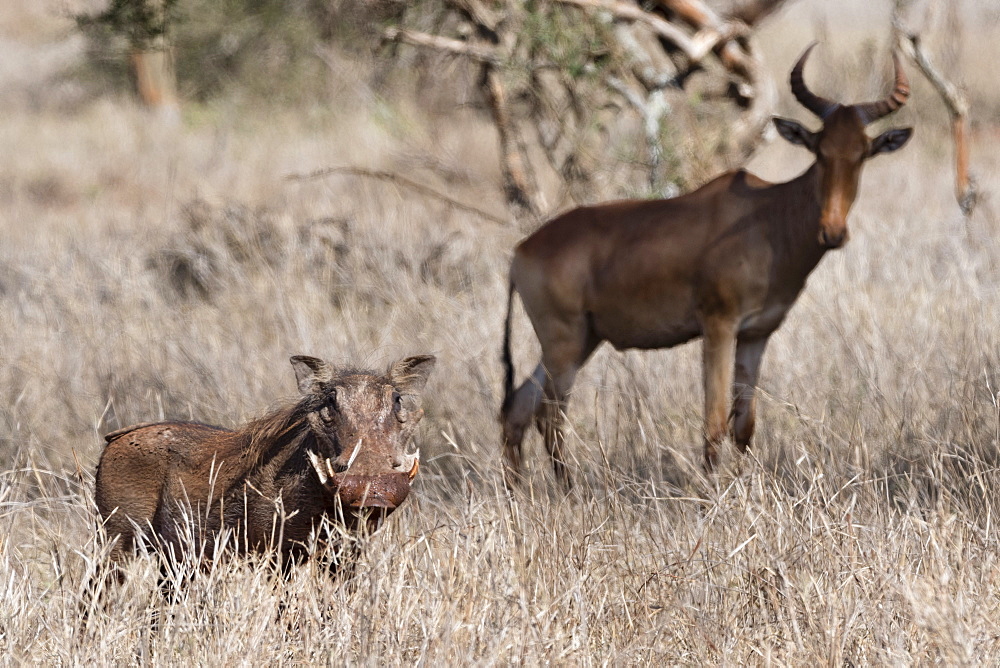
[872, 111]
[820, 106]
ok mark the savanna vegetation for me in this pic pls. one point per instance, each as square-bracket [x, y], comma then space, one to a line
[166, 268]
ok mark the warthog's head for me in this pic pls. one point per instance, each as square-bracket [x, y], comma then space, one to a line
[363, 425]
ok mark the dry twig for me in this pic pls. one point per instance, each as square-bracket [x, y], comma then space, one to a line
[455, 47]
[400, 180]
[694, 47]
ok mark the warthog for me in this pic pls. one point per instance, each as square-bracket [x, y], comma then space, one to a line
[340, 453]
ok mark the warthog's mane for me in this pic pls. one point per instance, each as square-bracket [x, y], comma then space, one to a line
[258, 440]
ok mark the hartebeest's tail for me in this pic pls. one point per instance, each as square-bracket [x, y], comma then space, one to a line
[508, 361]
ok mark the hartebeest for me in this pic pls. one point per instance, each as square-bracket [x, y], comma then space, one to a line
[725, 262]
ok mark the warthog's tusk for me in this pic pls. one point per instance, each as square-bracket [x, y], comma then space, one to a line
[329, 468]
[414, 466]
[357, 448]
[314, 460]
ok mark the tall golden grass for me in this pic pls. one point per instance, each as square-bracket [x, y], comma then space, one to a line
[152, 270]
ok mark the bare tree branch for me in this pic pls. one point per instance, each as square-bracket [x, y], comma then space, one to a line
[653, 110]
[704, 19]
[398, 179]
[695, 48]
[953, 98]
[453, 46]
[753, 11]
[519, 190]
[699, 15]
[966, 191]
[518, 184]
[526, 79]
[694, 13]
[484, 17]
[650, 66]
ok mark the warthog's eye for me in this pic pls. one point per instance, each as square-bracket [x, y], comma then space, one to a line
[397, 407]
[326, 414]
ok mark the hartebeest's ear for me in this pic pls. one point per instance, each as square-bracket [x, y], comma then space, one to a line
[409, 376]
[794, 132]
[311, 373]
[889, 141]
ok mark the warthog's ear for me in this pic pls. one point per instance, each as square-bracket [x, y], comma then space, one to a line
[311, 373]
[410, 375]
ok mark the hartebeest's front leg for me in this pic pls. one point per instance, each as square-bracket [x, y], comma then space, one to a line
[749, 354]
[719, 348]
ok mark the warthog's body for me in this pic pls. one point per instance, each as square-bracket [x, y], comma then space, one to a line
[339, 453]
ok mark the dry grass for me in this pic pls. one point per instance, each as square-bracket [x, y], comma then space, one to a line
[150, 271]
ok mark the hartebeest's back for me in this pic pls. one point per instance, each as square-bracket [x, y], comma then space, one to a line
[725, 262]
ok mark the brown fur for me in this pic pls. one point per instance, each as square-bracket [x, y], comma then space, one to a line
[151, 475]
[725, 262]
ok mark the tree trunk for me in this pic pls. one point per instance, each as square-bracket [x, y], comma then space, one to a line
[152, 72]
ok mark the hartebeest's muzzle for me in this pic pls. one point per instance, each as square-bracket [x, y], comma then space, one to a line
[833, 239]
[833, 218]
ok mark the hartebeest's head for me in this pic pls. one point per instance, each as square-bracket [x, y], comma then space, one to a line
[841, 145]
[363, 425]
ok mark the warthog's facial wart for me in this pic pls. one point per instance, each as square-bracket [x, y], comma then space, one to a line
[363, 426]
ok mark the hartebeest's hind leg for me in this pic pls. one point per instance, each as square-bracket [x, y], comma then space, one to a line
[542, 397]
[749, 353]
[515, 416]
[565, 348]
[719, 348]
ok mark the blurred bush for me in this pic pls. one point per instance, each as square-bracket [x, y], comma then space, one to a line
[260, 48]
[141, 22]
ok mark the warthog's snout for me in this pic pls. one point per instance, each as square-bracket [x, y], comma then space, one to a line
[358, 491]
[387, 490]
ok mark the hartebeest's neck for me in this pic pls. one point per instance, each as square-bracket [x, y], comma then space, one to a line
[798, 213]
